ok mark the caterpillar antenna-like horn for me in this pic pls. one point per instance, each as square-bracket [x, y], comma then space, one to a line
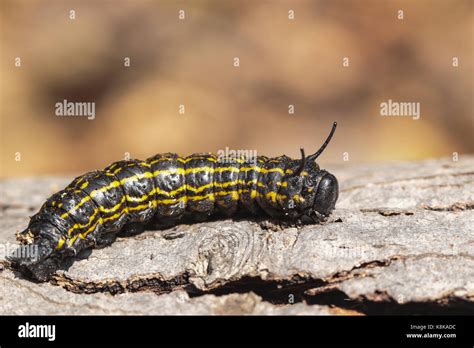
[303, 162]
[321, 149]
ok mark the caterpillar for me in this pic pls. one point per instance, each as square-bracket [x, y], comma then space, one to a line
[166, 189]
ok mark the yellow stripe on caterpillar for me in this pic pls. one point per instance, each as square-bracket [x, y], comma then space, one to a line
[79, 226]
[114, 208]
[179, 159]
[172, 171]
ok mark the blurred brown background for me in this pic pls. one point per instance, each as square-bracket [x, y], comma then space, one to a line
[190, 62]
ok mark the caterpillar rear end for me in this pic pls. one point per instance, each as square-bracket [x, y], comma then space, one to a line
[165, 190]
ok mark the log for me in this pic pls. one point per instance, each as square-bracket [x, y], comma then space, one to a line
[401, 240]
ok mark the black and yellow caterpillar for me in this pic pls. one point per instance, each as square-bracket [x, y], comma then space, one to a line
[166, 188]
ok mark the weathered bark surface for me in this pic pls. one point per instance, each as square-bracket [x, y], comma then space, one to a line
[401, 240]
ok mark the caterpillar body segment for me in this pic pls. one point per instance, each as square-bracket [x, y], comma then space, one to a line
[166, 189]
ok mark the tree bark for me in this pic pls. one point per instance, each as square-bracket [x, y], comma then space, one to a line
[401, 240]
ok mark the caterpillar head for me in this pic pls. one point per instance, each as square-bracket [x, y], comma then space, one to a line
[327, 191]
[310, 194]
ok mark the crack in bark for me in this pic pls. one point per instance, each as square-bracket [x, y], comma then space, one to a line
[16, 206]
[383, 304]
[149, 282]
[295, 289]
[458, 206]
[387, 211]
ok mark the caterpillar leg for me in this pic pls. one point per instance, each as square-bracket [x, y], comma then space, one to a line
[278, 224]
[132, 229]
[105, 239]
